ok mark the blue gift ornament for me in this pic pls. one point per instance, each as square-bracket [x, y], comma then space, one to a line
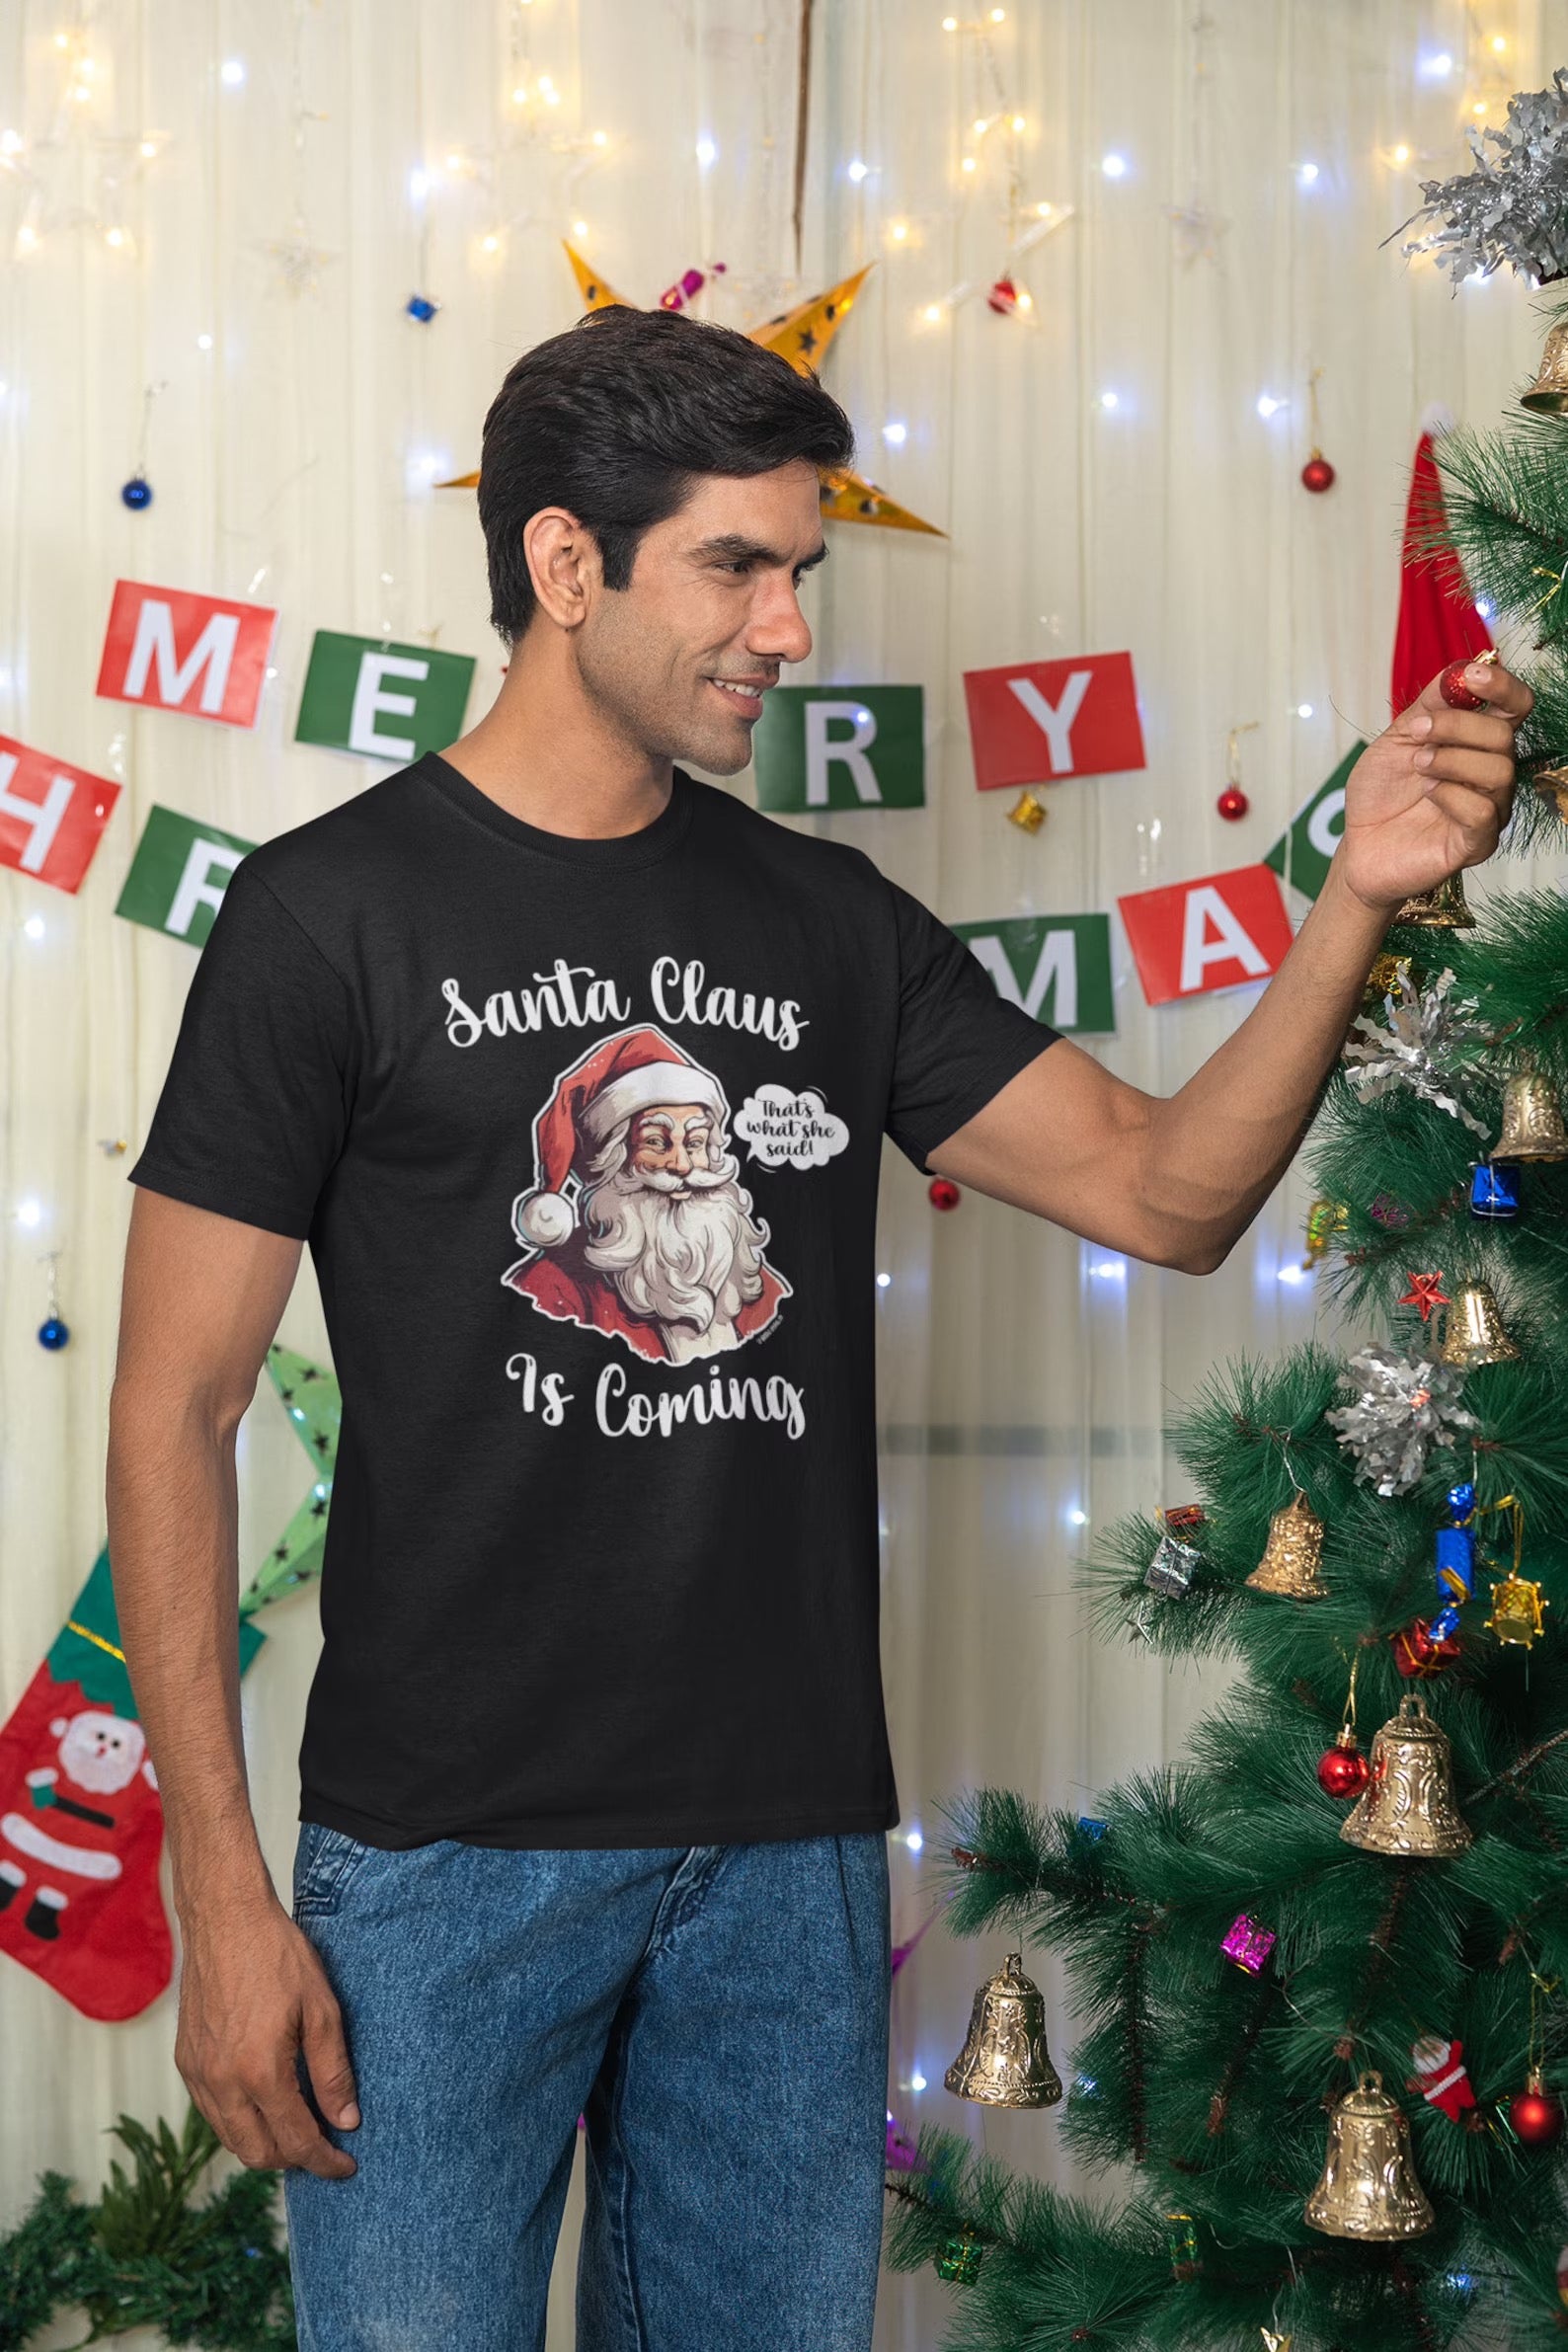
[421, 307]
[1455, 1545]
[1445, 1624]
[1494, 1189]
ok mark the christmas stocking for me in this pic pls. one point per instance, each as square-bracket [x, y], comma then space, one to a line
[81, 1827]
[1438, 621]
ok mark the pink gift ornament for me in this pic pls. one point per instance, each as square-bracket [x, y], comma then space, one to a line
[689, 284]
[1247, 1943]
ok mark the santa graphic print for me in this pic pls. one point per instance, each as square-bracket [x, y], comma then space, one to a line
[637, 1225]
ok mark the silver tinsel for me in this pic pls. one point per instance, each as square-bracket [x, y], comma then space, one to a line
[1425, 1038]
[1406, 1405]
[1513, 206]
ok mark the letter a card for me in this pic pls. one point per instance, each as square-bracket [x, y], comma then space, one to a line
[1035, 722]
[1218, 932]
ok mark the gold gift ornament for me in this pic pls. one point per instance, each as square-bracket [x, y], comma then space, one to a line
[1293, 1554]
[1368, 2188]
[1005, 2062]
[1407, 1806]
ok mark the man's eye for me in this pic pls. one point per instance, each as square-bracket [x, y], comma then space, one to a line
[742, 563]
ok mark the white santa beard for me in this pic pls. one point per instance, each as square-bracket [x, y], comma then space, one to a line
[101, 1766]
[683, 1261]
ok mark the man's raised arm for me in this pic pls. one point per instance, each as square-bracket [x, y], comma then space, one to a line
[1178, 1181]
[202, 1299]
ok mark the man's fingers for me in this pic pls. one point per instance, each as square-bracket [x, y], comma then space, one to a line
[1481, 771]
[295, 2132]
[1475, 730]
[1475, 813]
[327, 2059]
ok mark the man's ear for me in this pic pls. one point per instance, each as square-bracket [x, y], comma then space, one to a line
[563, 559]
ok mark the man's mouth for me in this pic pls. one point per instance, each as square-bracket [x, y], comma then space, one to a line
[744, 694]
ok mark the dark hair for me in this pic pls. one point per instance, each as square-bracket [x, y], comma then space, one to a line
[615, 419]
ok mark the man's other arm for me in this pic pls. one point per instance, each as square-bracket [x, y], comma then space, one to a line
[200, 1303]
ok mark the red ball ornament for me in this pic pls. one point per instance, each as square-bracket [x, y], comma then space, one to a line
[1534, 2114]
[1317, 475]
[1003, 298]
[1232, 802]
[1455, 693]
[1343, 1769]
[943, 1193]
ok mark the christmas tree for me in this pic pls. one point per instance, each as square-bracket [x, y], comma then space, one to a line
[1321, 1996]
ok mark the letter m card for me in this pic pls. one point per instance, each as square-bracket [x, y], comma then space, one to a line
[171, 651]
[1220, 933]
[1034, 722]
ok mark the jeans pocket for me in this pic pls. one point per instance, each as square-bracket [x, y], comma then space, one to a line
[326, 1860]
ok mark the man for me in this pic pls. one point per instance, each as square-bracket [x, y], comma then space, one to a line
[595, 1775]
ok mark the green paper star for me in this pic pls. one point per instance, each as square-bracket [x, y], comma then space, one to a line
[313, 1401]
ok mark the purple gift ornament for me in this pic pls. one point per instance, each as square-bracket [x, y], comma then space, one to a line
[1247, 1943]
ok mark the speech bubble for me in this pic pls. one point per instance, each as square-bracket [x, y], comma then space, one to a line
[797, 1130]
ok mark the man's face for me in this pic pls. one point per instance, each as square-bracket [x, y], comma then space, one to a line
[668, 1142]
[682, 655]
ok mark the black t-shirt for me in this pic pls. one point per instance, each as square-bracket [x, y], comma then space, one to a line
[585, 1139]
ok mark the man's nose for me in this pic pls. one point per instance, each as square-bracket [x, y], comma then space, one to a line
[779, 631]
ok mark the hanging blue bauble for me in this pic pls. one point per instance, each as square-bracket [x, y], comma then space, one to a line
[136, 493]
[1494, 1189]
[421, 307]
[53, 1333]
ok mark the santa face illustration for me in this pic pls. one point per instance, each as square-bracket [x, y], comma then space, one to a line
[655, 1241]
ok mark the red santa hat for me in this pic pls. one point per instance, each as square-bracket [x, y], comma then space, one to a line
[614, 1081]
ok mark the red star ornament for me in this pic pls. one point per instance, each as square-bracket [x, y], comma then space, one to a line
[1425, 1291]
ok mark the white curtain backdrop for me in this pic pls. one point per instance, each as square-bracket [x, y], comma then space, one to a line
[292, 441]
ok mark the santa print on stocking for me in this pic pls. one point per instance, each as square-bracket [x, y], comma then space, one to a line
[81, 1824]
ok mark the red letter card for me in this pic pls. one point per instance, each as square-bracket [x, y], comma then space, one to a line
[177, 651]
[1032, 722]
[51, 815]
[1220, 933]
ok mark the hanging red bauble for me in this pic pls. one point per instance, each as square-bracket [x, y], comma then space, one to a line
[1317, 474]
[1452, 686]
[1003, 298]
[1534, 2114]
[1232, 802]
[1343, 1769]
[943, 1193]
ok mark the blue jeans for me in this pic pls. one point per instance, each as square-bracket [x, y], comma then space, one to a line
[719, 2015]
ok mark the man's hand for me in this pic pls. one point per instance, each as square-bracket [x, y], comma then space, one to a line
[1432, 792]
[253, 1991]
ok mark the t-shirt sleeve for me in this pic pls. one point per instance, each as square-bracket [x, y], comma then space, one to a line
[254, 1107]
[959, 1042]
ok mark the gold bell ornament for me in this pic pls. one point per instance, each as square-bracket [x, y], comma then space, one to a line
[1293, 1554]
[1553, 785]
[1005, 2062]
[1440, 908]
[1368, 2187]
[1407, 1806]
[1532, 1127]
[1548, 394]
[1472, 1329]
